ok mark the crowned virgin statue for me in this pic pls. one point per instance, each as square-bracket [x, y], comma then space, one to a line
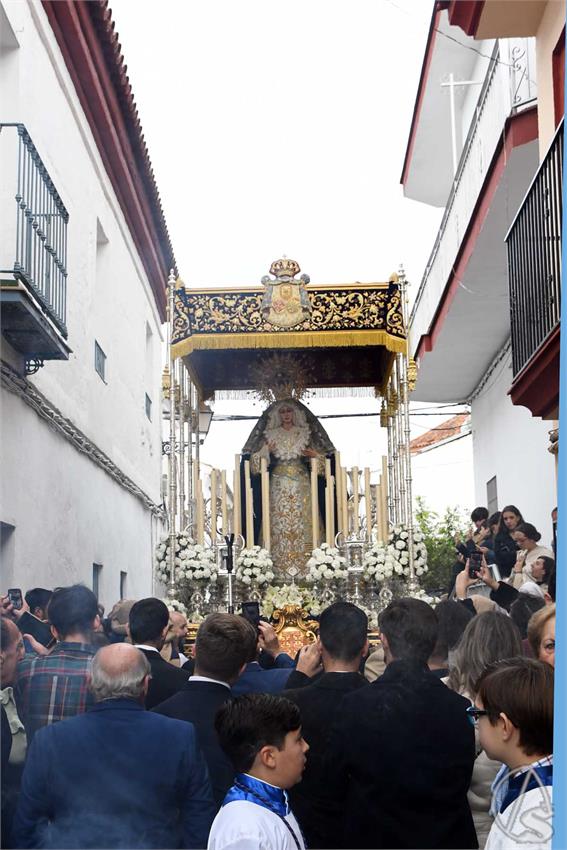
[288, 436]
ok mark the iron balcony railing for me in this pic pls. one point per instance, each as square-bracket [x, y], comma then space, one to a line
[534, 258]
[40, 255]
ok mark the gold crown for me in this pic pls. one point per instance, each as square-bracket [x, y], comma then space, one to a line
[284, 268]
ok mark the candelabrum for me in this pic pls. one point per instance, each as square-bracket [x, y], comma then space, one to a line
[352, 548]
[227, 550]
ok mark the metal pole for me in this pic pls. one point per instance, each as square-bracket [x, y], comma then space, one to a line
[190, 493]
[400, 433]
[171, 464]
[453, 121]
[394, 401]
[391, 515]
[182, 410]
[413, 583]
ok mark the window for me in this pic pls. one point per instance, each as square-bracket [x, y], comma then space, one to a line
[7, 551]
[97, 572]
[148, 407]
[123, 576]
[491, 496]
[100, 361]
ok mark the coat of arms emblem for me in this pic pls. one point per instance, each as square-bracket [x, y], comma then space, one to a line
[286, 301]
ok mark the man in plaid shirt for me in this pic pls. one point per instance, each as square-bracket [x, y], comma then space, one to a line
[55, 686]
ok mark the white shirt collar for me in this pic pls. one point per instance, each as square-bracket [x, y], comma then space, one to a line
[149, 648]
[207, 679]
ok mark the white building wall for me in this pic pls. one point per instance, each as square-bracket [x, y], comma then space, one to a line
[108, 299]
[443, 476]
[511, 444]
[68, 516]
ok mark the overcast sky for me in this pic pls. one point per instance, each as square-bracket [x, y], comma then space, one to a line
[280, 128]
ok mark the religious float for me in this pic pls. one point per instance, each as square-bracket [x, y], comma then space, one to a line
[289, 526]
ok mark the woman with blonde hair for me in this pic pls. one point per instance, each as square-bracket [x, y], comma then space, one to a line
[541, 634]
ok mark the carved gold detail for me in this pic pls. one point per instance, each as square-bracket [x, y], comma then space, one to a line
[294, 628]
[284, 268]
[373, 309]
[412, 374]
[280, 376]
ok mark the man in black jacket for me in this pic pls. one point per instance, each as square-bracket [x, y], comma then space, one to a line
[223, 645]
[148, 623]
[343, 641]
[401, 752]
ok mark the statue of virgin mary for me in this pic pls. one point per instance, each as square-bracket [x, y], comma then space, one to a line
[288, 435]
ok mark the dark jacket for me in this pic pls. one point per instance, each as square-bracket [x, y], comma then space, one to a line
[319, 704]
[166, 678]
[198, 703]
[401, 755]
[505, 553]
[254, 680]
[115, 777]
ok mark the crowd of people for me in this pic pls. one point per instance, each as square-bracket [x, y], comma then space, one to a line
[116, 735]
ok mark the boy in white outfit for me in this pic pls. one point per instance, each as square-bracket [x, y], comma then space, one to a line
[514, 712]
[261, 735]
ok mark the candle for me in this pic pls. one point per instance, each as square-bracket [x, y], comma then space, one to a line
[314, 504]
[224, 506]
[356, 519]
[331, 533]
[338, 491]
[249, 506]
[200, 514]
[385, 491]
[265, 478]
[344, 499]
[367, 500]
[236, 498]
[378, 500]
[328, 500]
[213, 506]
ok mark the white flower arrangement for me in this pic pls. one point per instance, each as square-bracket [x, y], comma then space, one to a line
[254, 565]
[377, 564]
[398, 550]
[288, 594]
[420, 593]
[326, 564]
[193, 562]
[175, 605]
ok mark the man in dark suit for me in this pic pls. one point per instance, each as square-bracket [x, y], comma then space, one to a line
[342, 643]
[117, 776]
[224, 643]
[401, 751]
[148, 623]
[256, 679]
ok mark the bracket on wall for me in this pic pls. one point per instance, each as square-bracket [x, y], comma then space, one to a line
[33, 365]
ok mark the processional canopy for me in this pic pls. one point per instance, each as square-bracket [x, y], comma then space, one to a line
[289, 334]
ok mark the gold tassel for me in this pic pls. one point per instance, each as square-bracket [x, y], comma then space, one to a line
[301, 339]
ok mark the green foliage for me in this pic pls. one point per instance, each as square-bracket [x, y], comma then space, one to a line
[439, 534]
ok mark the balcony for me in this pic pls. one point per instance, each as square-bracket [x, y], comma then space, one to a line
[534, 273]
[33, 251]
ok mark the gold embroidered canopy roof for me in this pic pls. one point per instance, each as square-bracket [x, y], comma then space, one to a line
[345, 334]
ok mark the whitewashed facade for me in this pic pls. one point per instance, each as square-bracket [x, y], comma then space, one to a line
[81, 453]
[460, 322]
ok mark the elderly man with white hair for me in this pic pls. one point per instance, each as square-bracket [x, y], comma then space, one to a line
[117, 776]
